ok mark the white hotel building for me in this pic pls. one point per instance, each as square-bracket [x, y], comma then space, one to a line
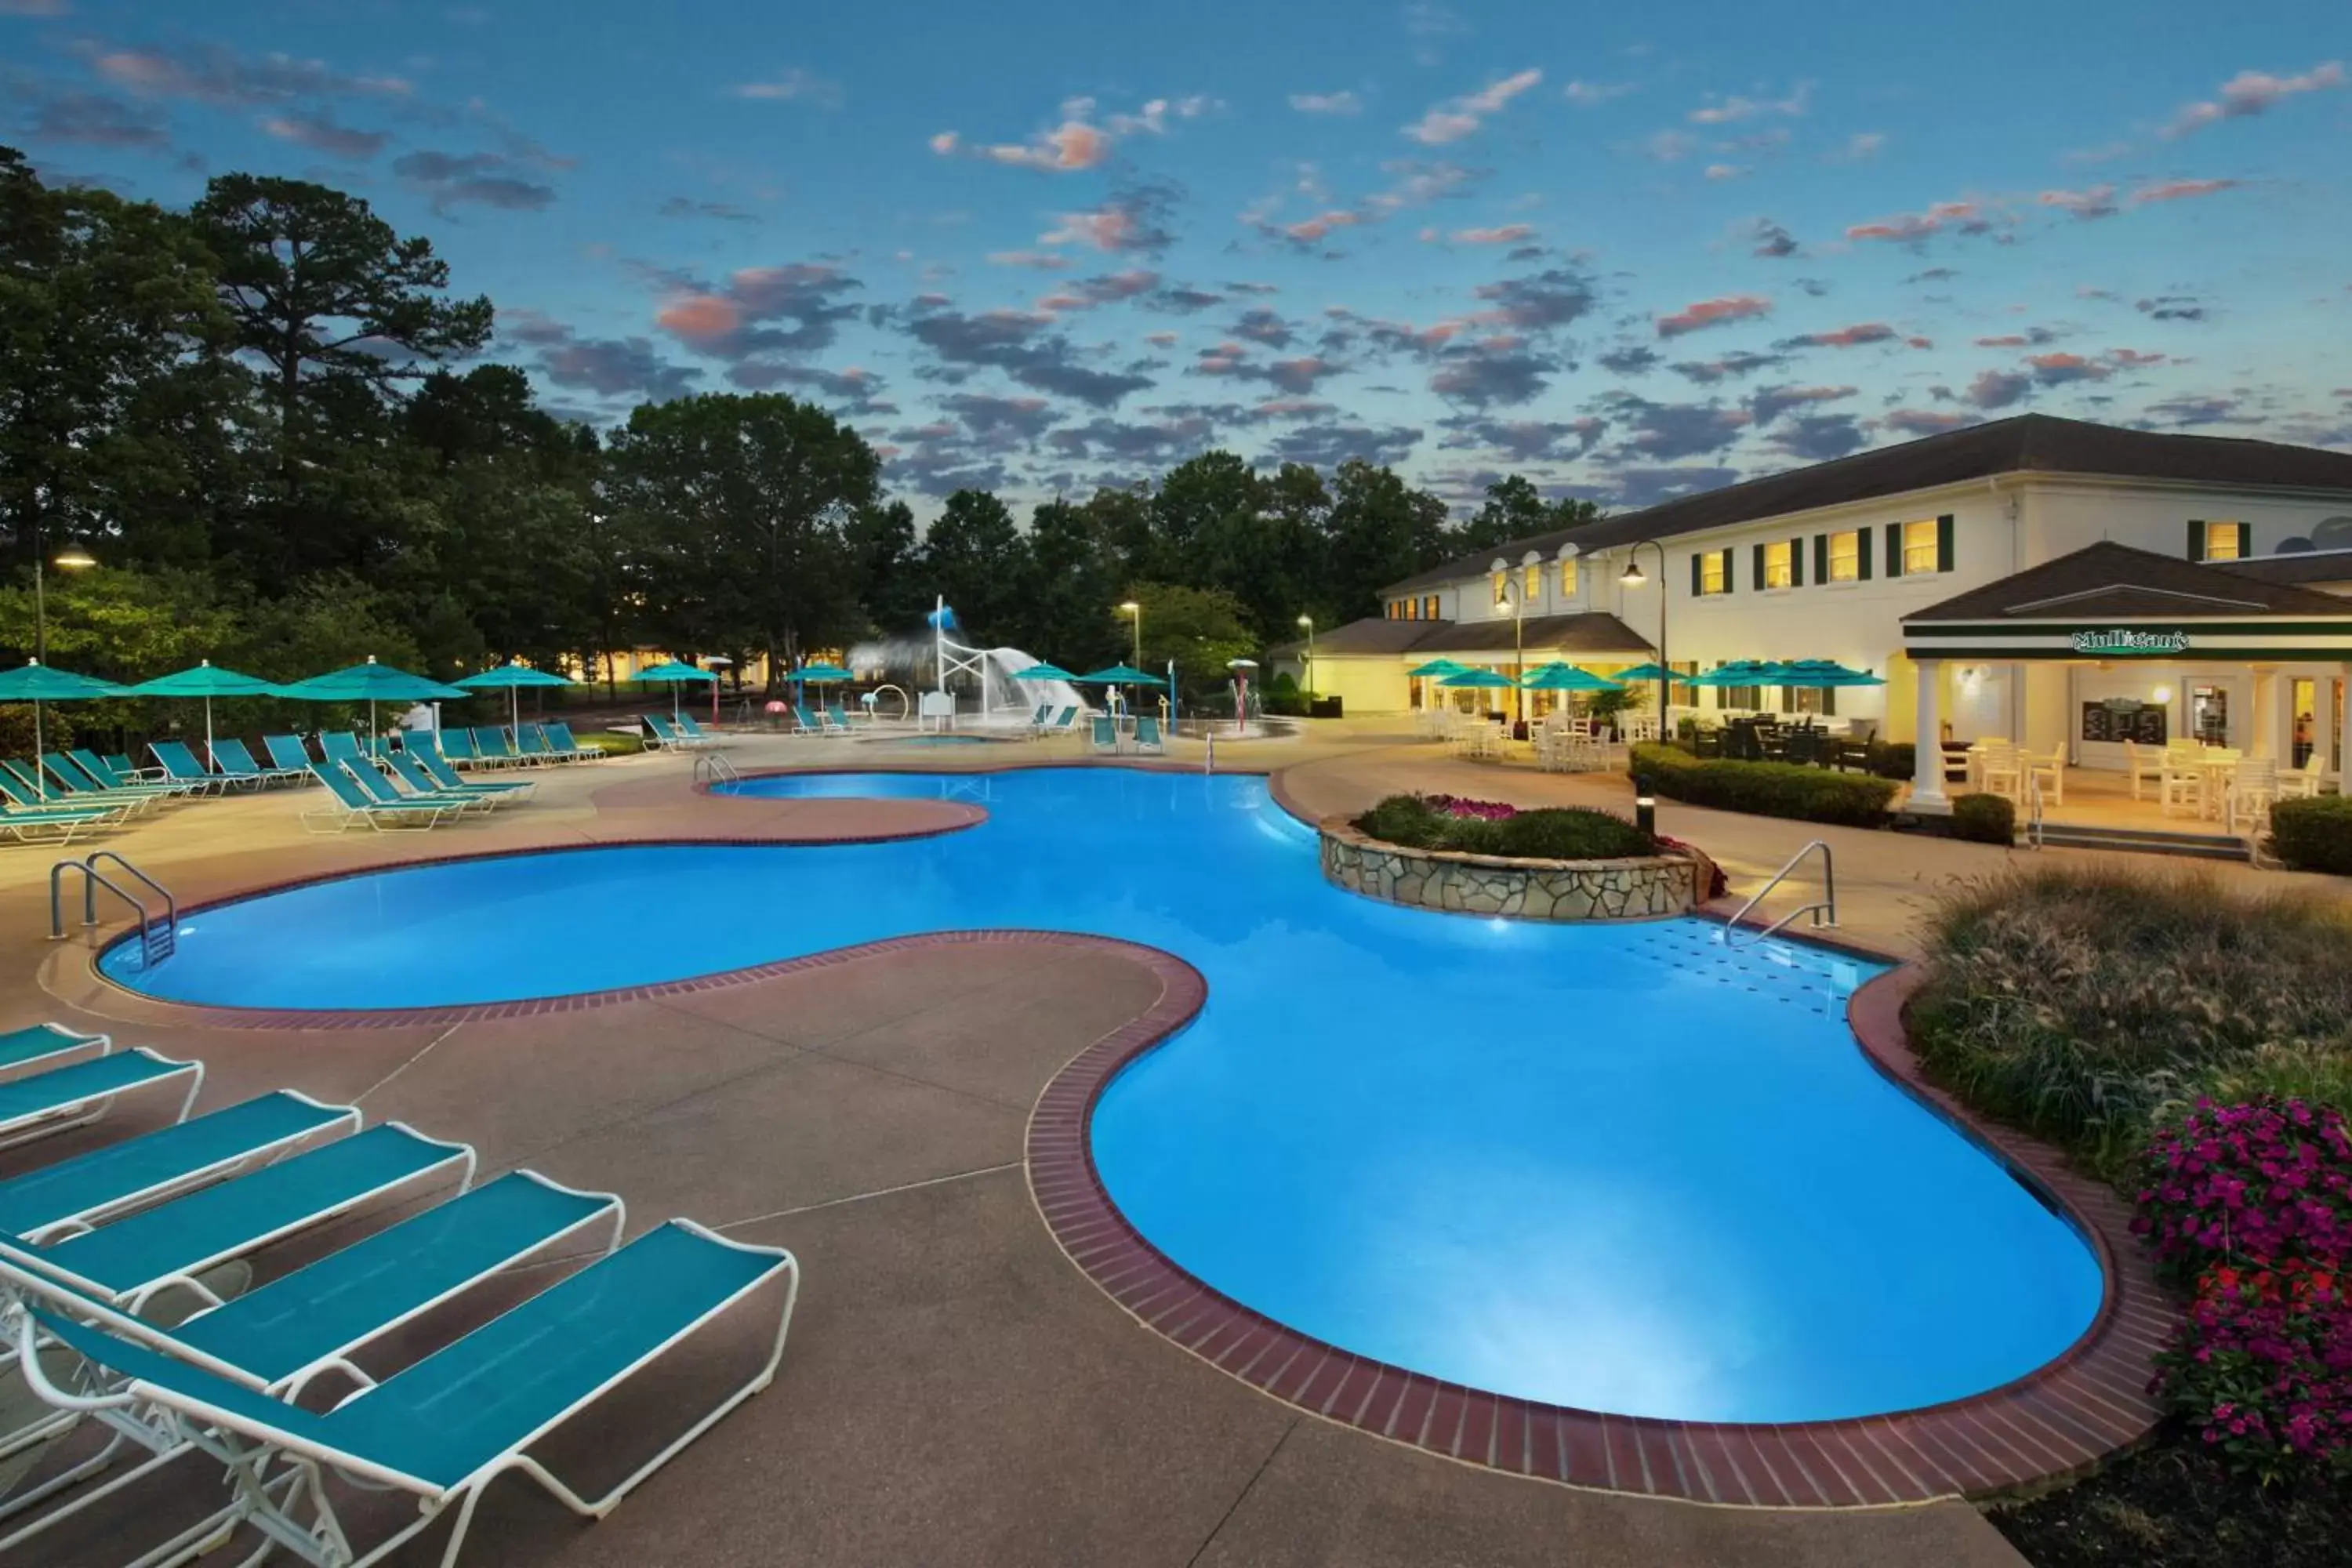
[2028, 579]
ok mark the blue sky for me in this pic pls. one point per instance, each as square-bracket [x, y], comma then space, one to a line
[1628, 251]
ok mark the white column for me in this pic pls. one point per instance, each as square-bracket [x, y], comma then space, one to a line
[1927, 743]
[2268, 698]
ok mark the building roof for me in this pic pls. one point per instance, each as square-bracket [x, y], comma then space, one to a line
[2118, 582]
[2306, 566]
[1590, 632]
[2030, 443]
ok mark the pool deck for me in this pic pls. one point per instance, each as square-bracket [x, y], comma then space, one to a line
[954, 1390]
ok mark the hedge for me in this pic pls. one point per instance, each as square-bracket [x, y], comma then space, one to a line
[2314, 835]
[1558, 832]
[1984, 819]
[1763, 789]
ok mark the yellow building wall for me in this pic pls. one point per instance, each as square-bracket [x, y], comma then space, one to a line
[1364, 685]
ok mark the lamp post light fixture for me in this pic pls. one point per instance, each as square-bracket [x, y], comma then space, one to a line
[1135, 610]
[1308, 622]
[72, 558]
[1632, 578]
[1516, 599]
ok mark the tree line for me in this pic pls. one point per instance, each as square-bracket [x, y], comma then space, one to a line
[267, 418]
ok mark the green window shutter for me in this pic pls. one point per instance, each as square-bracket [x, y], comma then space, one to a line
[1757, 561]
[1796, 563]
[2245, 540]
[1862, 537]
[1820, 558]
[1944, 543]
[2195, 539]
[1894, 548]
[1730, 568]
[1698, 584]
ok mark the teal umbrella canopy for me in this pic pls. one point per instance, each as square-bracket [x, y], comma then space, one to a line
[822, 674]
[1740, 672]
[34, 681]
[1434, 667]
[370, 682]
[507, 676]
[1825, 672]
[206, 679]
[1122, 674]
[1043, 672]
[1567, 678]
[1484, 679]
[673, 672]
[1645, 672]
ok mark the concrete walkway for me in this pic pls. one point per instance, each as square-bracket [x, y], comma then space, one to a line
[955, 1392]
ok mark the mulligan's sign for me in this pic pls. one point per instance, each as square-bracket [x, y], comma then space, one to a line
[2122, 640]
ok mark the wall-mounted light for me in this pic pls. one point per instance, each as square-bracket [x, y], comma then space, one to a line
[2162, 694]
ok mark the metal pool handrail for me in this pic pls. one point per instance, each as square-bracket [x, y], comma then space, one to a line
[713, 767]
[1825, 904]
[156, 943]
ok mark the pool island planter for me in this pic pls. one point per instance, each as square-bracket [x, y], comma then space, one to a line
[1636, 888]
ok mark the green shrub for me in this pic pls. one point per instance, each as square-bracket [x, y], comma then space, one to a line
[1984, 819]
[1894, 759]
[1763, 789]
[2314, 835]
[2087, 1003]
[1570, 833]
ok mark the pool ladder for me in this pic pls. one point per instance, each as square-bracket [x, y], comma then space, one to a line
[1824, 905]
[158, 939]
[712, 767]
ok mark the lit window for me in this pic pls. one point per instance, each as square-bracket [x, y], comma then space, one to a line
[1502, 587]
[1714, 572]
[1429, 608]
[1568, 579]
[1396, 607]
[1919, 549]
[2221, 541]
[1531, 581]
[1845, 556]
[1778, 571]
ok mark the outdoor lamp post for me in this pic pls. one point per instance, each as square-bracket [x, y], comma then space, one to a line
[1632, 578]
[1135, 610]
[1308, 622]
[1513, 597]
[72, 558]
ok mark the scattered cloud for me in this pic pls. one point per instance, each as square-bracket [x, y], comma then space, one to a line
[1593, 94]
[1818, 437]
[209, 73]
[1706, 373]
[1766, 404]
[1861, 147]
[1342, 102]
[1529, 440]
[1666, 431]
[1722, 311]
[1133, 221]
[1633, 359]
[1723, 170]
[1080, 140]
[1085, 293]
[2098, 202]
[2059, 368]
[1327, 445]
[1022, 345]
[472, 179]
[777, 313]
[2252, 92]
[854, 392]
[1926, 422]
[1771, 241]
[1910, 228]
[2180, 190]
[1997, 389]
[96, 120]
[610, 367]
[1730, 110]
[2194, 410]
[321, 134]
[687, 206]
[2171, 307]
[1505, 234]
[1041, 260]
[1641, 484]
[1855, 336]
[792, 86]
[1459, 117]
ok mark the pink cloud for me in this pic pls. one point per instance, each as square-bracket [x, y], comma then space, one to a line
[1920, 343]
[1714, 313]
[697, 316]
[1965, 217]
[2132, 359]
[1458, 116]
[2179, 190]
[1161, 340]
[2254, 92]
[1508, 234]
[1309, 230]
[2099, 201]
[1078, 143]
[1723, 171]
[1861, 332]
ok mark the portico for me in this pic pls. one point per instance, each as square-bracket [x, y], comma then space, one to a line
[2136, 649]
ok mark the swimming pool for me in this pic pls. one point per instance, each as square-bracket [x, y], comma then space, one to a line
[1616, 1167]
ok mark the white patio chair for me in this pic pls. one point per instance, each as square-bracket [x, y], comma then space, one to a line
[2050, 770]
[2252, 790]
[2000, 769]
[2181, 780]
[2304, 782]
[2142, 764]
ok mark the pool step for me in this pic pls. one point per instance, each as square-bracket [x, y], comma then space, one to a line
[2146, 841]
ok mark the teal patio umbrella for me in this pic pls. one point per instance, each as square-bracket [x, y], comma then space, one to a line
[1435, 666]
[1121, 675]
[675, 675]
[207, 681]
[370, 683]
[1825, 672]
[1481, 679]
[1559, 676]
[820, 674]
[36, 683]
[1653, 671]
[1043, 672]
[512, 677]
[1740, 672]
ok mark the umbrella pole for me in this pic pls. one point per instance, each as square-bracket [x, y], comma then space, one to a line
[208, 731]
[514, 713]
[40, 778]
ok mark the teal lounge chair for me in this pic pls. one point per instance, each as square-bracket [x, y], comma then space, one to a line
[1147, 734]
[1103, 736]
[79, 786]
[560, 732]
[56, 812]
[288, 752]
[383, 791]
[56, 825]
[78, 1094]
[274, 1339]
[495, 748]
[122, 780]
[691, 728]
[347, 804]
[41, 1047]
[805, 723]
[456, 748]
[343, 746]
[232, 758]
[444, 1429]
[670, 738]
[89, 1189]
[446, 779]
[1063, 722]
[180, 768]
[411, 770]
[1037, 719]
[836, 719]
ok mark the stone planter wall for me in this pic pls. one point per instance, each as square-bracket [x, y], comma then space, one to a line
[1650, 887]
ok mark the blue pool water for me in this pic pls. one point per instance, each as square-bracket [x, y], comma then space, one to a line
[1615, 1167]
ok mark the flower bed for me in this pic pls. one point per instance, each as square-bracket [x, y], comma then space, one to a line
[1468, 856]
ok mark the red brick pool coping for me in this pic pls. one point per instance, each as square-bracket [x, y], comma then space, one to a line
[2055, 1422]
